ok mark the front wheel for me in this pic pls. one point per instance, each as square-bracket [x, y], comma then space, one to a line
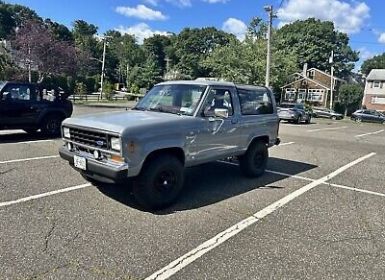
[159, 183]
[334, 118]
[253, 162]
[358, 120]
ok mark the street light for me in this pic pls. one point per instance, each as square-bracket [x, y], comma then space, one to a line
[269, 10]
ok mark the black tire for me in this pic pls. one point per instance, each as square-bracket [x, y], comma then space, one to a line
[357, 120]
[51, 125]
[308, 121]
[253, 162]
[297, 120]
[159, 183]
[333, 118]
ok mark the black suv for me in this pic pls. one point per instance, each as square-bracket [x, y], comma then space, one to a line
[23, 106]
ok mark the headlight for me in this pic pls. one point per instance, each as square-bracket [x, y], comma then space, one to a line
[115, 144]
[66, 132]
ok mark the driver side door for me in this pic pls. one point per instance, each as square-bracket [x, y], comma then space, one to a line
[219, 136]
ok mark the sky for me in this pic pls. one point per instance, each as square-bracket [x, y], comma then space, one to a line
[362, 20]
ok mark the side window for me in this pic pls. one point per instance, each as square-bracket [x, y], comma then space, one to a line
[17, 92]
[255, 102]
[219, 99]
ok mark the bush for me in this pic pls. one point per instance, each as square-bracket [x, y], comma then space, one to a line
[80, 88]
[108, 89]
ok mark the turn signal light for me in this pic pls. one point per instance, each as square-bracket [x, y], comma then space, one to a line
[117, 158]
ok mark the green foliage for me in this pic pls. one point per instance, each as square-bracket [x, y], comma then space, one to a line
[80, 88]
[108, 89]
[134, 89]
[158, 46]
[313, 40]
[350, 96]
[192, 46]
[377, 62]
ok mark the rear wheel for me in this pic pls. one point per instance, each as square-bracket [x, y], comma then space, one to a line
[297, 120]
[308, 121]
[159, 183]
[333, 118]
[51, 125]
[358, 120]
[253, 162]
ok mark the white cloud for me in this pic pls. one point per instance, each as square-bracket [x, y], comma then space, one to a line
[151, 2]
[180, 3]
[236, 27]
[141, 31]
[381, 39]
[348, 18]
[216, 1]
[365, 53]
[142, 12]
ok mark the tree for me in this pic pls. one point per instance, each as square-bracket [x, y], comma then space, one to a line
[7, 22]
[377, 62]
[59, 31]
[192, 46]
[158, 46]
[36, 45]
[245, 62]
[350, 96]
[313, 41]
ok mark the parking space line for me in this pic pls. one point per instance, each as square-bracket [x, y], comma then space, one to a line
[370, 133]
[328, 128]
[357, 190]
[33, 197]
[285, 144]
[30, 142]
[185, 260]
[27, 159]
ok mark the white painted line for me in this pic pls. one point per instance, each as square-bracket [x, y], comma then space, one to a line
[221, 237]
[274, 172]
[285, 144]
[27, 159]
[370, 133]
[29, 142]
[312, 180]
[33, 197]
[357, 190]
[328, 128]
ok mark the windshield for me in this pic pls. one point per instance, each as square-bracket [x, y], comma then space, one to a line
[298, 106]
[175, 99]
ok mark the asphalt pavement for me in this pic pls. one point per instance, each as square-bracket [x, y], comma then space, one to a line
[318, 213]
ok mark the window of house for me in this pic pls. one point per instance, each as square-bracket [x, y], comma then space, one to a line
[376, 84]
[255, 101]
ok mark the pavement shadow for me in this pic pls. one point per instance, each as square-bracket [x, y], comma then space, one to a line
[213, 182]
[21, 136]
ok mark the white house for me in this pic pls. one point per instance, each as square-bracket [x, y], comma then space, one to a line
[374, 94]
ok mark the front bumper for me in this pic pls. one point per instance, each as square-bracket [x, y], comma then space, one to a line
[97, 170]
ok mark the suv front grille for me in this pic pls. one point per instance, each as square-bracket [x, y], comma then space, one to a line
[89, 138]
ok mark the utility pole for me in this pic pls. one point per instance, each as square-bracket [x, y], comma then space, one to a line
[103, 64]
[29, 65]
[331, 60]
[269, 10]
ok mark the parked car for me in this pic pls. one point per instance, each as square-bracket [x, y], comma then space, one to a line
[24, 106]
[368, 116]
[294, 112]
[176, 125]
[327, 113]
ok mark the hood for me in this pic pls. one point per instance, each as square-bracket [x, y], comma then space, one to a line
[119, 121]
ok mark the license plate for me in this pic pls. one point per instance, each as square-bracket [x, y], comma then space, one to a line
[80, 162]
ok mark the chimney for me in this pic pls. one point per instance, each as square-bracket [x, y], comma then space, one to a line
[304, 70]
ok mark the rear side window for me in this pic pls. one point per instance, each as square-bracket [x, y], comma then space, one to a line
[255, 101]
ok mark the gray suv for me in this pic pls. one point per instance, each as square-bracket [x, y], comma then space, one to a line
[176, 125]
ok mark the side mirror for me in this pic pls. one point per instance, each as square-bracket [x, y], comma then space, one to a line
[221, 113]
